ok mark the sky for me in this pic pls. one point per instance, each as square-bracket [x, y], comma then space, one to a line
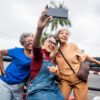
[19, 16]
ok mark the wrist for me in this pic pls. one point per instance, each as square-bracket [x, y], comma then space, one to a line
[98, 62]
[39, 30]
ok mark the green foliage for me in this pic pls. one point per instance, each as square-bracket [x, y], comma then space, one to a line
[56, 22]
[43, 37]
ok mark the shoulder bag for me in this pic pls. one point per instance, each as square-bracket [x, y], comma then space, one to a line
[83, 70]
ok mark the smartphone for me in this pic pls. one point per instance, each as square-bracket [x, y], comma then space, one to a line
[57, 12]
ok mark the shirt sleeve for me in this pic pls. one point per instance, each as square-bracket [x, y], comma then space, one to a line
[81, 55]
[12, 52]
[37, 52]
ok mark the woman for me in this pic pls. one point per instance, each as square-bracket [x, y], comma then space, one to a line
[74, 55]
[42, 84]
[12, 79]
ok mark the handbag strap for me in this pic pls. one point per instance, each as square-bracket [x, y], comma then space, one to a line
[66, 60]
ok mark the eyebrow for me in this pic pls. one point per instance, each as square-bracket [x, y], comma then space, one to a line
[51, 40]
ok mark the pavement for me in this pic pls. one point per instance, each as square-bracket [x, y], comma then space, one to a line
[94, 82]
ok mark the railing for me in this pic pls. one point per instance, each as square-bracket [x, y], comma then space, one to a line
[95, 69]
[7, 58]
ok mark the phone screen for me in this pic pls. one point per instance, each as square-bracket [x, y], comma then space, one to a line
[57, 12]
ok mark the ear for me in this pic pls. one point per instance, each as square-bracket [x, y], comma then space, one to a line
[70, 34]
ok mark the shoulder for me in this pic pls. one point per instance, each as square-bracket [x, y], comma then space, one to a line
[15, 49]
[18, 48]
[37, 53]
[73, 45]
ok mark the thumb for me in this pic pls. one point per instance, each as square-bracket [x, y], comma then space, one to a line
[48, 18]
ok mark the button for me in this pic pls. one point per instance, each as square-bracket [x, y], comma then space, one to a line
[30, 84]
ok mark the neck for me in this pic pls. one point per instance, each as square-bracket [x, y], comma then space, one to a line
[63, 45]
[28, 53]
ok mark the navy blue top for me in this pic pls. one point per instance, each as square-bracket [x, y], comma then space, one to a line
[19, 68]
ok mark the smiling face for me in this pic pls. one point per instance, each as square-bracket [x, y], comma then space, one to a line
[50, 44]
[63, 35]
[28, 42]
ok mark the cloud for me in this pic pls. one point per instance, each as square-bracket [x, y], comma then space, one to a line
[86, 22]
[18, 16]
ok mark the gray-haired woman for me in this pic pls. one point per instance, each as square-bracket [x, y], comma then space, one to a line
[12, 79]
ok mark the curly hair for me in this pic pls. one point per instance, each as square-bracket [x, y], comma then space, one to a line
[23, 36]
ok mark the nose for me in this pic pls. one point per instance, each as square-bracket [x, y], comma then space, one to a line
[65, 34]
[30, 41]
[53, 45]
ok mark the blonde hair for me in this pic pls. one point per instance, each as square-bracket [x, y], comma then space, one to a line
[63, 29]
[59, 31]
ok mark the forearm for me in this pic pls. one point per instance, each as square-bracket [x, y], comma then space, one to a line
[37, 39]
[1, 64]
[1, 60]
[2, 70]
[2, 53]
[91, 59]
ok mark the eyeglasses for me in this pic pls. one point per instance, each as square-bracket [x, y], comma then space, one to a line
[28, 41]
[51, 42]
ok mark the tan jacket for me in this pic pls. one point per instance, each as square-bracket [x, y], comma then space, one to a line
[74, 56]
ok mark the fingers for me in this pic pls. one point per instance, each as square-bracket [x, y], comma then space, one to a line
[53, 69]
[46, 7]
[48, 18]
[44, 12]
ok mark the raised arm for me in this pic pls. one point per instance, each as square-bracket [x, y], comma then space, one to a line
[43, 20]
[2, 53]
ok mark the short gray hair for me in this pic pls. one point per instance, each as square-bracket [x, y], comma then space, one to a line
[49, 36]
[23, 36]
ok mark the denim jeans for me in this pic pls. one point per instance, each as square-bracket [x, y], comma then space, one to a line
[11, 92]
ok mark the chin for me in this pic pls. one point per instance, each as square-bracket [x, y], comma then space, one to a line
[49, 51]
[29, 49]
[63, 41]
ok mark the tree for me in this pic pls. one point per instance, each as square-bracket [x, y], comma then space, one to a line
[55, 22]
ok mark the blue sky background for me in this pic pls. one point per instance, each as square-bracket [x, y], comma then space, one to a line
[18, 16]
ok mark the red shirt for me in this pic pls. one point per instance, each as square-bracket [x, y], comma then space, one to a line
[39, 55]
